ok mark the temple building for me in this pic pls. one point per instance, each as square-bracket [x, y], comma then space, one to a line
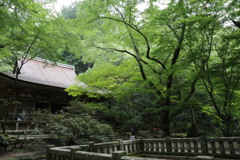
[41, 84]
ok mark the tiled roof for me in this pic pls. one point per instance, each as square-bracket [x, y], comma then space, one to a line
[45, 72]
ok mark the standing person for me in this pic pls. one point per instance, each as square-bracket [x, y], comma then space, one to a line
[133, 134]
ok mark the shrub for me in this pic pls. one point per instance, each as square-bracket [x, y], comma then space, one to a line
[73, 127]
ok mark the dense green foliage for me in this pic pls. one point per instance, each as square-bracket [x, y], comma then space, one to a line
[171, 60]
[172, 56]
[29, 30]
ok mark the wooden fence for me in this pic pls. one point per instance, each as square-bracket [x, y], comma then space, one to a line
[217, 147]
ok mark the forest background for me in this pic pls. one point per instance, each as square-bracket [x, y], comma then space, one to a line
[175, 68]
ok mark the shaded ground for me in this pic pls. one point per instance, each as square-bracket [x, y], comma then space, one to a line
[30, 151]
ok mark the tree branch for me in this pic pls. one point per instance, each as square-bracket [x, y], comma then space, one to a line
[118, 50]
[174, 31]
[127, 52]
[210, 93]
[192, 90]
[174, 60]
[145, 38]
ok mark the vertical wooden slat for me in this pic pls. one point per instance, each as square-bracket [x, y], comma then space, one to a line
[221, 145]
[238, 146]
[141, 146]
[182, 146]
[138, 147]
[126, 148]
[129, 148]
[147, 146]
[151, 146]
[72, 154]
[175, 146]
[213, 146]
[168, 145]
[204, 146]
[157, 147]
[161, 146]
[188, 146]
[195, 147]
[98, 150]
[113, 148]
[231, 147]
[105, 150]
[135, 147]
[110, 150]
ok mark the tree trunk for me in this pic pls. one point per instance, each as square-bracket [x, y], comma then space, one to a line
[165, 123]
[193, 131]
[3, 126]
[228, 127]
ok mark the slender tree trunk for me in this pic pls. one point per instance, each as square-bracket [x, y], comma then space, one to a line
[228, 127]
[166, 123]
[166, 113]
[193, 131]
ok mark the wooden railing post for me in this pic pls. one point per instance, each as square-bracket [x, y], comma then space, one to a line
[195, 146]
[204, 146]
[91, 146]
[48, 155]
[188, 146]
[17, 125]
[168, 145]
[182, 146]
[231, 147]
[118, 155]
[141, 146]
[72, 153]
[213, 146]
[121, 145]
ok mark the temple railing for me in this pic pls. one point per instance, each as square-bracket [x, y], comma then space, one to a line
[19, 117]
[217, 147]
